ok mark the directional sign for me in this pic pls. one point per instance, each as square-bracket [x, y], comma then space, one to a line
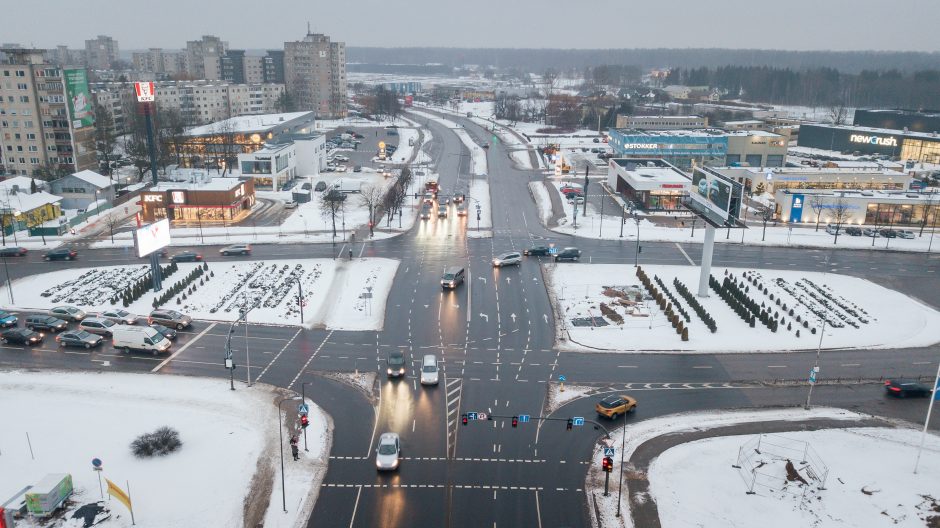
[577, 420]
[471, 416]
[562, 378]
[303, 408]
[812, 376]
[552, 251]
[524, 418]
[608, 451]
[481, 416]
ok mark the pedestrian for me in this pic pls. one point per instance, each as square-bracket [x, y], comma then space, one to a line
[294, 451]
[350, 253]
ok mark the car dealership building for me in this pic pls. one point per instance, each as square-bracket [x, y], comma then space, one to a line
[895, 144]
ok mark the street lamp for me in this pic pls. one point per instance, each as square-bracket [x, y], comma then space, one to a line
[280, 434]
[97, 203]
[636, 218]
[303, 396]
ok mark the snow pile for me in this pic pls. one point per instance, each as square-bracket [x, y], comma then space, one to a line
[543, 202]
[557, 398]
[229, 456]
[329, 295]
[606, 307]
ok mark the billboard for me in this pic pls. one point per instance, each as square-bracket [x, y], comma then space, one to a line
[796, 208]
[78, 98]
[145, 93]
[153, 237]
[713, 195]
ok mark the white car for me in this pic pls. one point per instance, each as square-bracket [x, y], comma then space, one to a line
[429, 370]
[388, 453]
[290, 204]
[341, 158]
[507, 259]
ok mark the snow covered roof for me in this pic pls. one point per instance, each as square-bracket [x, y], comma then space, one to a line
[93, 178]
[247, 124]
[27, 202]
[22, 182]
[214, 184]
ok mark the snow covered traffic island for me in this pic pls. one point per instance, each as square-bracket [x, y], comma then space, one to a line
[226, 472]
[338, 294]
[614, 307]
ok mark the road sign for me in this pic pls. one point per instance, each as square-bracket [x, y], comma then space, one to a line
[303, 408]
[562, 378]
[481, 416]
[96, 463]
[553, 250]
[608, 451]
[471, 416]
[524, 418]
[577, 420]
[812, 376]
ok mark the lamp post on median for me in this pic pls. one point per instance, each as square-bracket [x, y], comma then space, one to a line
[303, 397]
[280, 434]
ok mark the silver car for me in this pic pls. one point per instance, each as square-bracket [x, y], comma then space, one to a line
[68, 313]
[507, 259]
[388, 453]
[119, 316]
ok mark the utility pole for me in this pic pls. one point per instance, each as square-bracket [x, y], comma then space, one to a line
[815, 371]
[586, 169]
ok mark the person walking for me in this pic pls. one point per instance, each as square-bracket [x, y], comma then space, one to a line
[294, 449]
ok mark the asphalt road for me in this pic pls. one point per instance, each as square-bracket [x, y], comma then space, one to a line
[494, 339]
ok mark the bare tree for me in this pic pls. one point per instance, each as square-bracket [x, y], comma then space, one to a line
[105, 137]
[931, 197]
[136, 150]
[550, 80]
[332, 204]
[817, 203]
[371, 196]
[840, 215]
[766, 214]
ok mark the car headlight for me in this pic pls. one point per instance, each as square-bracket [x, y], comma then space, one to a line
[401, 370]
[389, 371]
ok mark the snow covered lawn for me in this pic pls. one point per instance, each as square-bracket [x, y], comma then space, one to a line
[229, 457]
[870, 482]
[332, 290]
[861, 314]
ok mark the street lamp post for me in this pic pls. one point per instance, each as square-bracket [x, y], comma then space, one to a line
[636, 218]
[97, 202]
[623, 444]
[9, 282]
[303, 396]
[815, 371]
[280, 434]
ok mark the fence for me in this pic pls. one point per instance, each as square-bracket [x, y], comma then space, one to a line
[762, 458]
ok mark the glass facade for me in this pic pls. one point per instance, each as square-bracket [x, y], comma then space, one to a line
[839, 184]
[902, 214]
[921, 150]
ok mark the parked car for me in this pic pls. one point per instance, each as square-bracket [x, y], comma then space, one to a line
[7, 319]
[831, 229]
[357, 168]
[537, 251]
[888, 233]
[395, 364]
[168, 333]
[61, 253]
[12, 251]
[236, 249]
[614, 406]
[79, 338]
[170, 318]
[119, 316]
[45, 322]
[869, 232]
[853, 231]
[320, 187]
[597, 140]
[511, 258]
[906, 234]
[20, 336]
[903, 389]
[68, 313]
[576, 198]
[341, 159]
[569, 253]
[290, 204]
[186, 256]
[98, 326]
[388, 453]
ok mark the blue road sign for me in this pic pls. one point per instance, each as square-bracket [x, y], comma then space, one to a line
[303, 408]
[96, 462]
[562, 378]
[471, 416]
[577, 420]
[524, 418]
[609, 451]
[812, 376]
[552, 250]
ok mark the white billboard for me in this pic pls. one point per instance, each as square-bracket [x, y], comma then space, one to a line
[716, 196]
[153, 237]
[145, 92]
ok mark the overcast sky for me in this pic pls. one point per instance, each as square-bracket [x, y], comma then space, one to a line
[782, 24]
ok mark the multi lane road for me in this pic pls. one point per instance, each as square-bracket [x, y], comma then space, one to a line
[494, 337]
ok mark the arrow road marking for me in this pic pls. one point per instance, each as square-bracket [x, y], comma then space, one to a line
[483, 315]
[513, 317]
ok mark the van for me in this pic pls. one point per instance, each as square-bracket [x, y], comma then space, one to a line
[144, 338]
[453, 276]
[429, 371]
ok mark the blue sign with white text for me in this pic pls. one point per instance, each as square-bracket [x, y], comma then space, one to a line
[796, 208]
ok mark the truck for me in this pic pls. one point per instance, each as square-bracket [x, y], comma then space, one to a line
[144, 338]
[431, 186]
[48, 494]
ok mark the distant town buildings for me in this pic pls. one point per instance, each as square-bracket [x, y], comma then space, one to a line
[101, 53]
[315, 75]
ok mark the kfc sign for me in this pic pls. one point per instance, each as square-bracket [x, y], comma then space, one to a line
[145, 93]
[153, 198]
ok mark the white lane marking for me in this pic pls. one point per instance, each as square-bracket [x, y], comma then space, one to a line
[182, 349]
[684, 254]
[355, 507]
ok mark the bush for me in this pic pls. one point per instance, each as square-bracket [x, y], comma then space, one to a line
[161, 442]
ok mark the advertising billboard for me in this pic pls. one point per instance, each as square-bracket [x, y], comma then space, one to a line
[145, 92]
[79, 102]
[796, 208]
[153, 237]
[712, 194]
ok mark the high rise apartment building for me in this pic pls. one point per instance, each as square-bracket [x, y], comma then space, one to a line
[204, 57]
[46, 115]
[315, 75]
[101, 53]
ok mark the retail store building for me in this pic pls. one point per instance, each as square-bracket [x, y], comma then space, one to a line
[871, 208]
[702, 147]
[652, 183]
[797, 178]
[894, 144]
[203, 201]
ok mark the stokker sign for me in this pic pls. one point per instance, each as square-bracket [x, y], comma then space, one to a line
[874, 140]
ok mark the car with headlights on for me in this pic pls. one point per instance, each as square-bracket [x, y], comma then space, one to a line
[21, 336]
[119, 316]
[388, 453]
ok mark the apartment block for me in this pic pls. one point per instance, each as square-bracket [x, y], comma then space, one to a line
[204, 57]
[315, 75]
[101, 53]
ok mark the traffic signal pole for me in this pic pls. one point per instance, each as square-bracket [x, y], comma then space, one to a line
[606, 478]
[489, 417]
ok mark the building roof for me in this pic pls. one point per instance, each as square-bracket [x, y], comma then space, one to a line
[21, 182]
[693, 132]
[92, 177]
[659, 173]
[214, 184]
[887, 131]
[247, 124]
[27, 202]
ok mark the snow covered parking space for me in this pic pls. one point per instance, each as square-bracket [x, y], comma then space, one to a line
[861, 314]
[229, 456]
[332, 291]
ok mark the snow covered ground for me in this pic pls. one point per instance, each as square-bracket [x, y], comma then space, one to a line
[542, 201]
[696, 481]
[331, 291]
[861, 314]
[231, 437]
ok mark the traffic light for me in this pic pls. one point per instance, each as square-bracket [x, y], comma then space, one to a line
[570, 424]
[463, 419]
[607, 464]
[304, 421]
[515, 421]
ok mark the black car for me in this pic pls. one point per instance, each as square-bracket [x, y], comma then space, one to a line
[537, 251]
[61, 253]
[168, 333]
[888, 233]
[903, 389]
[570, 254]
[186, 256]
[79, 338]
[395, 364]
[853, 231]
[20, 336]
[45, 322]
[12, 251]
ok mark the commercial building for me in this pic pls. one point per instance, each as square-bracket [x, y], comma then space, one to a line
[101, 53]
[654, 184]
[315, 75]
[704, 147]
[204, 200]
[47, 122]
[905, 120]
[873, 208]
[797, 178]
[80, 190]
[893, 144]
[218, 144]
[284, 159]
[661, 122]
